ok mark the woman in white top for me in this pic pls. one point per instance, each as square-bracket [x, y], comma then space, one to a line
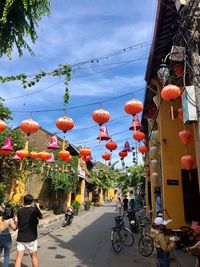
[6, 223]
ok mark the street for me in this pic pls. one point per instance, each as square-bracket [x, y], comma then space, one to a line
[85, 243]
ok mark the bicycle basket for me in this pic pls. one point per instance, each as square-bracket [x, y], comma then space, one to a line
[118, 220]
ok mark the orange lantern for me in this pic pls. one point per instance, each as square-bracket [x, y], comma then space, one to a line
[187, 162]
[106, 156]
[185, 136]
[33, 154]
[69, 158]
[85, 151]
[2, 126]
[180, 114]
[5, 152]
[29, 126]
[111, 145]
[123, 154]
[178, 69]
[23, 153]
[101, 116]
[133, 107]
[64, 124]
[138, 136]
[43, 155]
[142, 149]
[63, 154]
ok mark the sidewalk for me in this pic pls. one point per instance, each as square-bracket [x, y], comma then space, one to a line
[183, 259]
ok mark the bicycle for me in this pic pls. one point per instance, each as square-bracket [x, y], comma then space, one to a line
[120, 234]
[145, 242]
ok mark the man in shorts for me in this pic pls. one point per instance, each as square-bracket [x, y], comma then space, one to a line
[27, 218]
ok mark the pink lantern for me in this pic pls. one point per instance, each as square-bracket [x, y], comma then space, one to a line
[127, 147]
[103, 135]
[16, 157]
[51, 158]
[7, 145]
[136, 125]
[53, 144]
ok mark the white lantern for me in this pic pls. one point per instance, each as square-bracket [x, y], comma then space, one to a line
[154, 165]
[154, 175]
[153, 152]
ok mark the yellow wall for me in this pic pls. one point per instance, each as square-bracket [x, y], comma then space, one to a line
[80, 197]
[17, 191]
[112, 195]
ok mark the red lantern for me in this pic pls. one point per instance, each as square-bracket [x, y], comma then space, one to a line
[123, 154]
[69, 158]
[133, 106]
[111, 145]
[178, 69]
[5, 152]
[180, 114]
[2, 126]
[187, 162]
[138, 136]
[23, 153]
[185, 136]
[64, 124]
[33, 155]
[29, 126]
[43, 155]
[85, 151]
[170, 92]
[63, 154]
[101, 116]
[142, 149]
[106, 156]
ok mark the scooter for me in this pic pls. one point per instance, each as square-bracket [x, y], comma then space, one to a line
[134, 226]
[69, 215]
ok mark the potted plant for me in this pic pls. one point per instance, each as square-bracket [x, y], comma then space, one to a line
[76, 205]
[87, 203]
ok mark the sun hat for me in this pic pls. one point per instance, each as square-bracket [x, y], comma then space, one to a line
[160, 221]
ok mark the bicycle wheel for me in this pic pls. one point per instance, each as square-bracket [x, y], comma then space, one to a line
[116, 241]
[146, 245]
[128, 237]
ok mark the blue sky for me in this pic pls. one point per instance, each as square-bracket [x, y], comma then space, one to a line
[74, 32]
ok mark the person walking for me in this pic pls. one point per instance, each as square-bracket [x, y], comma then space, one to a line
[7, 222]
[119, 205]
[125, 204]
[27, 234]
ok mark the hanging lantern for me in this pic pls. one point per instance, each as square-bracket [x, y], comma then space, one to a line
[33, 155]
[123, 154]
[2, 126]
[110, 145]
[180, 114]
[153, 152]
[87, 158]
[101, 116]
[154, 165]
[171, 92]
[142, 149]
[138, 136]
[43, 155]
[63, 154]
[69, 158]
[22, 153]
[29, 126]
[185, 136]
[155, 176]
[64, 124]
[178, 69]
[4, 152]
[187, 162]
[133, 107]
[136, 125]
[51, 158]
[103, 134]
[8, 145]
[163, 73]
[16, 157]
[53, 144]
[85, 151]
[127, 147]
[106, 156]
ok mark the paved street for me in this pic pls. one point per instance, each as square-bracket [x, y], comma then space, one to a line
[85, 243]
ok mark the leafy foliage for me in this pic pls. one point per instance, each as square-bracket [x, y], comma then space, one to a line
[5, 113]
[136, 175]
[18, 19]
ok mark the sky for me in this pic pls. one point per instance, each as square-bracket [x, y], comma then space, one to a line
[78, 31]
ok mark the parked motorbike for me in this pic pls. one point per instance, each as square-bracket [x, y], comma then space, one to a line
[134, 225]
[69, 215]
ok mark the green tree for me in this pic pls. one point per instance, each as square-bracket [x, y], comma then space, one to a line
[136, 176]
[18, 19]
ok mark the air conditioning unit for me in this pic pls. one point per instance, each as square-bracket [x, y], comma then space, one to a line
[177, 53]
[189, 104]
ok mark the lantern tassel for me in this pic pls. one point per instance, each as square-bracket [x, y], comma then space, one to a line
[42, 168]
[20, 166]
[63, 144]
[63, 167]
[172, 111]
[26, 146]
